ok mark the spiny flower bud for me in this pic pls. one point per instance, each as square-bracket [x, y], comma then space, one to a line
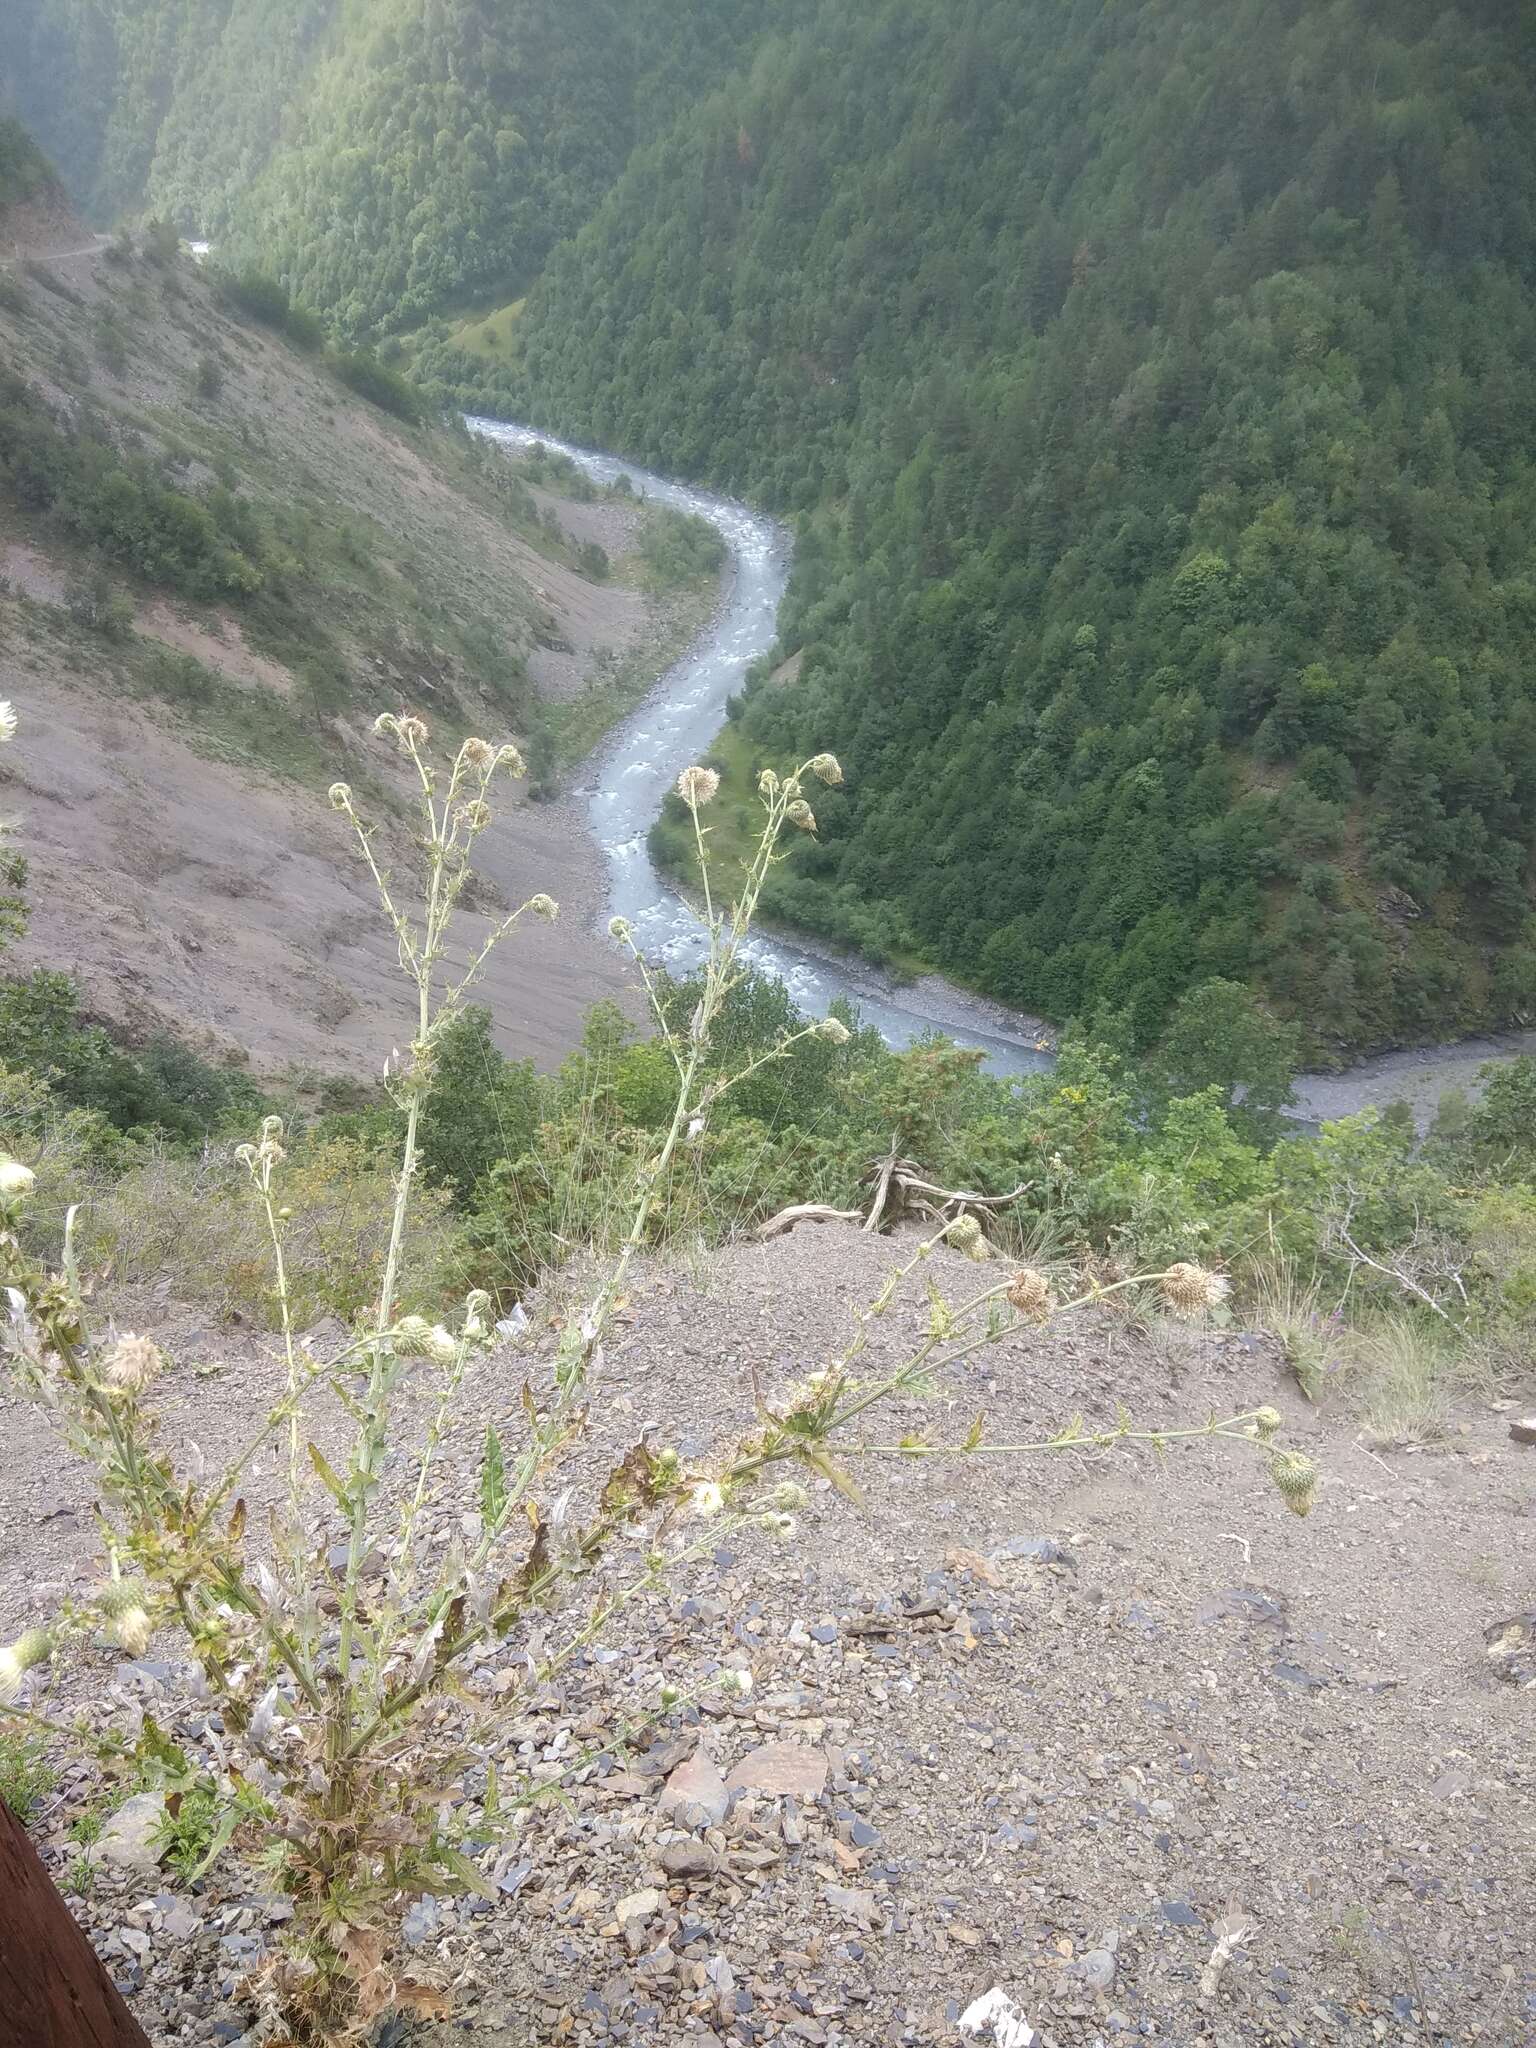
[779, 1526]
[509, 758]
[800, 813]
[131, 1364]
[1295, 1477]
[475, 816]
[833, 1030]
[825, 767]
[789, 1494]
[1191, 1289]
[340, 794]
[478, 754]
[767, 783]
[965, 1234]
[386, 725]
[412, 732]
[1030, 1293]
[18, 1658]
[670, 1695]
[1266, 1423]
[412, 1337]
[116, 1597]
[7, 721]
[697, 786]
[619, 928]
[16, 1181]
[545, 907]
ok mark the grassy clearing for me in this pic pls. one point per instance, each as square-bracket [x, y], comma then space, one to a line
[493, 335]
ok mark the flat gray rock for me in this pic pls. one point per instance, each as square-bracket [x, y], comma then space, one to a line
[126, 1841]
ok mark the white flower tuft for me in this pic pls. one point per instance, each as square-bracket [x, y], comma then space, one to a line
[697, 786]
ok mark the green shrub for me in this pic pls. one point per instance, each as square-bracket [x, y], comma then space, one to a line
[26, 1776]
[363, 373]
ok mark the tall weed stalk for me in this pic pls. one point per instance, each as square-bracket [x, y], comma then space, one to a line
[341, 1641]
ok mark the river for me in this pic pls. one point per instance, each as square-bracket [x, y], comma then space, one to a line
[630, 773]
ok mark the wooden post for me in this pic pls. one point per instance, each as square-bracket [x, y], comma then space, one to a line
[54, 1989]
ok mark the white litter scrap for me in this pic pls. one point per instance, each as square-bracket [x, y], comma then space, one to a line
[994, 2016]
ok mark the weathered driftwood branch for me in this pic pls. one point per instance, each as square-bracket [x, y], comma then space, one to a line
[805, 1212]
[899, 1189]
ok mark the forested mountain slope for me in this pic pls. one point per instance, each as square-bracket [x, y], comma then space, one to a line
[383, 155]
[1155, 385]
[1160, 387]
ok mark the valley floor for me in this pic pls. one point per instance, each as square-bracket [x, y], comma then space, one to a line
[1057, 1723]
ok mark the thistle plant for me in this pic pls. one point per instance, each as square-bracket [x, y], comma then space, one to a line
[348, 1650]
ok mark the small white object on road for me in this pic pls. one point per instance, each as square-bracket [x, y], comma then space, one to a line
[996, 2014]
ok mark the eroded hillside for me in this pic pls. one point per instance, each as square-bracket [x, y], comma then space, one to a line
[219, 566]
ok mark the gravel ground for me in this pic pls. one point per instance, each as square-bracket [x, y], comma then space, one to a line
[1053, 1725]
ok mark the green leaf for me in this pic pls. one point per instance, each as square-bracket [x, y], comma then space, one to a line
[493, 1482]
[223, 1834]
[332, 1484]
[463, 1872]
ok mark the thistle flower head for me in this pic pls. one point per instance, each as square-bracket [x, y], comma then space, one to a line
[780, 1526]
[708, 1498]
[799, 813]
[1295, 1476]
[697, 786]
[413, 1337]
[477, 1309]
[767, 783]
[966, 1235]
[619, 928]
[132, 1631]
[739, 1682]
[1190, 1289]
[788, 1495]
[825, 768]
[340, 794]
[833, 1030]
[509, 758]
[411, 732]
[16, 1181]
[1267, 1423]
[386, 725]
[1030, 1293]
[475, 816]
[478, 754]
[131, 1364]
[18, 1658]
[544, 906]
